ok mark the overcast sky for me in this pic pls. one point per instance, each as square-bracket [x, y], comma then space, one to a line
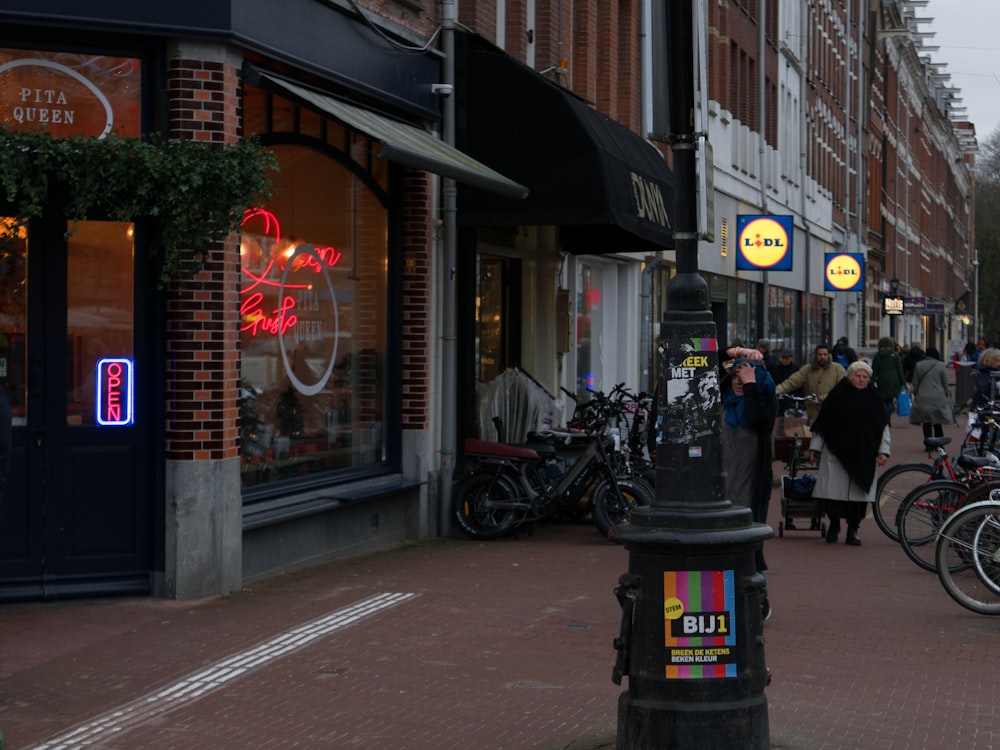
[967, 33]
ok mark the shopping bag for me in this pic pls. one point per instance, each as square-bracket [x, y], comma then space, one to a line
[903, 403]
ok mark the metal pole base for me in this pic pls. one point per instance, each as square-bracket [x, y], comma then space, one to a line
[663, 724]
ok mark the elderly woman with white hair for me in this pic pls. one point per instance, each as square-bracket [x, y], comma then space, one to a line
[851, 436]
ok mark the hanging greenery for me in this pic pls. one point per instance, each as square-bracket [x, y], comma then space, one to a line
[193, 193]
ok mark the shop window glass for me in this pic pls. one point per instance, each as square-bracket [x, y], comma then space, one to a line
[282, 115]
[99, 322]
[13, 318]
[589, 329]
[313, 322]
[336, 135]
[253, 111]
[311, 124]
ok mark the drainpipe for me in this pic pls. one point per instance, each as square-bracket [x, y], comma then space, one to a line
[762, 119]
[646, 117]
[646, 381]
[449, 389]
[804, 172]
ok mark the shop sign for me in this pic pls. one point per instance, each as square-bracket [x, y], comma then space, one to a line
[844, 272]
[915, 305]
[114, 392]
[282, 298]
[65, 94]
[649, 200]
[892, 306]
[764, 243]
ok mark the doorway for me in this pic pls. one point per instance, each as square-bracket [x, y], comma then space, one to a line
[76, 516]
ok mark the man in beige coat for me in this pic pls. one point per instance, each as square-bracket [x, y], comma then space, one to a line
[817, 378]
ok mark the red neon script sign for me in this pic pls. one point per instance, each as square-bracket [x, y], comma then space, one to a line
[281, 319]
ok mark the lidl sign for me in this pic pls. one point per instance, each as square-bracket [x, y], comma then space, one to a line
[844, 272]
[764, 243]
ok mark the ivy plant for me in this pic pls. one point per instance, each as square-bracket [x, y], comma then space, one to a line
[192, 193]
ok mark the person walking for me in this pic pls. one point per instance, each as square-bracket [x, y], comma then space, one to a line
[749, 408]
[780, 371]
[913, 355]
[764, 347]
[842, 353]
[987, 371]
[817, 378]
[887, 372]
[851, 437]
[933, 404]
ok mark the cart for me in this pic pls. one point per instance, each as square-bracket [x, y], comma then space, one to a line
[791, 445]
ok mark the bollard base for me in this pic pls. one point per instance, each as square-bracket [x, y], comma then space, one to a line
[644, 724]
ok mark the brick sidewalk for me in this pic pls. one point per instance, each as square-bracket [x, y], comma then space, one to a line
[504, 645]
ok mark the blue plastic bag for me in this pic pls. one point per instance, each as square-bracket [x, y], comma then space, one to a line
[903, 403]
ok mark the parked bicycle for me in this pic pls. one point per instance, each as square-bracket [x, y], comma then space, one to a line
[897, 482]
[925, 510]
[967, 551]
[507, 487]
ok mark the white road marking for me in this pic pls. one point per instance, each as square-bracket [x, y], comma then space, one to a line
[193, 687]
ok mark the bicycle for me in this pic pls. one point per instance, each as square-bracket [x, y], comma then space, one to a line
[509, 486]
[926, 509]
[897, 482]
[967, 553]
[984, 430]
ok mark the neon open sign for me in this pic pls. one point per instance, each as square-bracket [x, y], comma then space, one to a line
[114, 391]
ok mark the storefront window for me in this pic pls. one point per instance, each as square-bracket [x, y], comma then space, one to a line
[780, 330]
[589, 329]
[13, 319]
[313, 322]
[99, 322]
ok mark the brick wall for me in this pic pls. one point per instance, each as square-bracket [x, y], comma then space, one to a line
[416, 299]
[202, 327]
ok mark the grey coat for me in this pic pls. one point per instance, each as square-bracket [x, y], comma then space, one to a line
[832, 480]
[932, 399]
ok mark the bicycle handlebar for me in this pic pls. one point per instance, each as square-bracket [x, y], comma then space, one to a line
[811, 398]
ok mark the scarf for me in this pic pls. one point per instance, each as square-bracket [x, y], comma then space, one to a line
[851, 421]
[735, 406]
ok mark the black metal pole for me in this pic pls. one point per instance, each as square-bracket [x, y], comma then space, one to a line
[692, 633]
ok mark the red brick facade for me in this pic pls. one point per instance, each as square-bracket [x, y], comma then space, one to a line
[202, 325]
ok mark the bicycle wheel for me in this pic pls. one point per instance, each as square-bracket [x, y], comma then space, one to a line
[892, 488]
[610, 508]
[487, 507]
[968, 557]
[922, 514]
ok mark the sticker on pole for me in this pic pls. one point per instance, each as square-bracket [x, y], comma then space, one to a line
[699, 608]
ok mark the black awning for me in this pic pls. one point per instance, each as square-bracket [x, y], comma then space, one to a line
[400, 141]
[607, 189]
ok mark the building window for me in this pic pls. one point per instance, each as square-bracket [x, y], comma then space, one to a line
[314, 303]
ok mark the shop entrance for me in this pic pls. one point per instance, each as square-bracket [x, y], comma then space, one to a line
[76, 516]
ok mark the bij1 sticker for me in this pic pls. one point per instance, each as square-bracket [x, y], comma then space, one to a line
[699, 608]
[844, 272]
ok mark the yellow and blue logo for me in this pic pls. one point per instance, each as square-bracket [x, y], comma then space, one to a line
[844, 272]
[764, 243]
